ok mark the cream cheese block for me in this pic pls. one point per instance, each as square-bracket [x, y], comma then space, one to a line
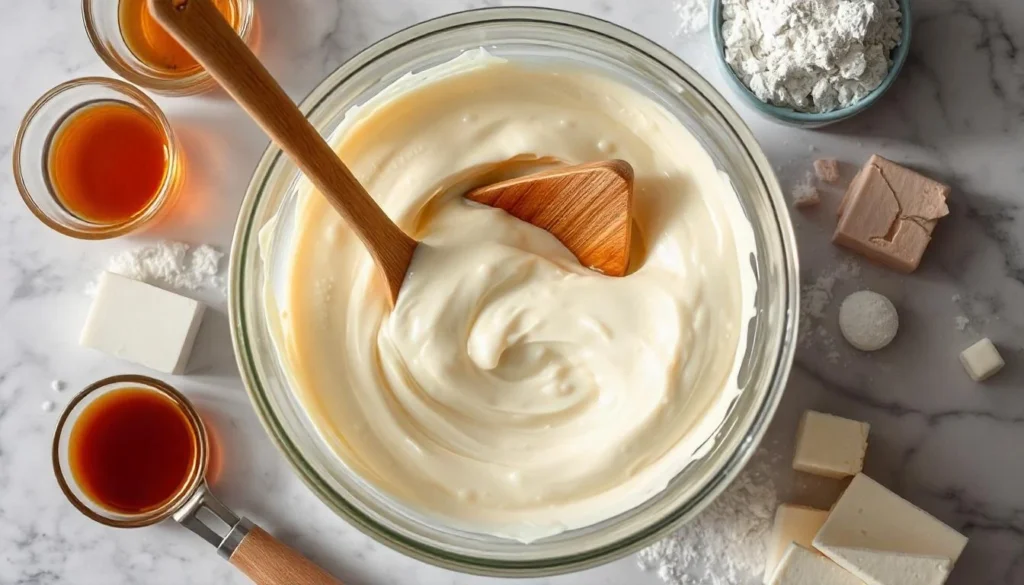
[802, 566]
[793, 524]
[142, 324]
[886, 540]
[830, 446]
[882, 568]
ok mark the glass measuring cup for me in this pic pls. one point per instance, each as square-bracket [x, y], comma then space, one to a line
[256, 553]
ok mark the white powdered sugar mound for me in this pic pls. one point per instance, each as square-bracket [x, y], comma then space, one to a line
[693, 16]
[811, 55]
[725, 544]
[817, 296]
[174, 265]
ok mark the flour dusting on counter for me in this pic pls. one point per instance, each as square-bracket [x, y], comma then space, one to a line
[724, 544]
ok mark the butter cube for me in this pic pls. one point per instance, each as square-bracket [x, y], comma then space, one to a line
[143, 324]
[801, 566]
[885, 540]
[793, 524]
[982, 360]
[830, 446]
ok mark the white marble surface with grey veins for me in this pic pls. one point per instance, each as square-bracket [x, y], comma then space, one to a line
[951, 446]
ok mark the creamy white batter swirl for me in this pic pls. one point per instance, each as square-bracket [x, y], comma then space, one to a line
[512, 391]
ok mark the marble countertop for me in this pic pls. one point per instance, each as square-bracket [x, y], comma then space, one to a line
[951, 446]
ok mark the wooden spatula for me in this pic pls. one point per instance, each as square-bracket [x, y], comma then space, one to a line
[200, 28]
[588, 207]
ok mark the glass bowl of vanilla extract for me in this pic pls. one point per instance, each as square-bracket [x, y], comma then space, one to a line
[132, 43]
[95, 158]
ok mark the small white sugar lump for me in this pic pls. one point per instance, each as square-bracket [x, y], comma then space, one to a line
[982, 360]
[830, 446]
[143, 324]
[868, 320]
[47, 406]
[57, 385]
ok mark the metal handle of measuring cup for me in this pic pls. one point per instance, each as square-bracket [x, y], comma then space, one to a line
[263, 558]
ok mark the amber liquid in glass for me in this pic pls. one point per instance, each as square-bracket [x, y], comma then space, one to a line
[152, 45]
[106, 162]
[132, 450]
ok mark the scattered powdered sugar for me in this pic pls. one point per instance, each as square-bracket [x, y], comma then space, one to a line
[962, 322]
[693, 16]
[817, 296]
[811, 55]
[175, 265]
[725, 544]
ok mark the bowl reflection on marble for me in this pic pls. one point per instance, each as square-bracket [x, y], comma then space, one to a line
[539, 36]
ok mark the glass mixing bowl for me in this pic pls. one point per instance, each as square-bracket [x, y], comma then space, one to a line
[544, 36]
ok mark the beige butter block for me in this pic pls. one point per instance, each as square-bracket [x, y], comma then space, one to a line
[793, 524]
[886, 540]
[889, 212]
[885, 568]
[830, 445]
[802, 566]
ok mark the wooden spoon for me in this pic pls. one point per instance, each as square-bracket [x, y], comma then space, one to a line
[200, 28]
[588, 207]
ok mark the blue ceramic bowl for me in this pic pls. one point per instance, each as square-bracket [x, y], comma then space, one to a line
[790, 116]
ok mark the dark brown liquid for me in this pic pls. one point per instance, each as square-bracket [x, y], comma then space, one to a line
[132, 450]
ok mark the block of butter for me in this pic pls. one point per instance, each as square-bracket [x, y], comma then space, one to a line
[793, 524]
[143, 324]
[889, 212]
[830, 446]
[802, 566]
[885, 540]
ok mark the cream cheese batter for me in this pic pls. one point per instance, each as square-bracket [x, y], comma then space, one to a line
[512, 391]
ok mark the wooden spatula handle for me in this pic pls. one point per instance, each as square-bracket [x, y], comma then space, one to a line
[267, 561]
[200, 28]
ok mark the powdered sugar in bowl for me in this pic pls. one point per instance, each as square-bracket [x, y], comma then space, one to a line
[858, 50]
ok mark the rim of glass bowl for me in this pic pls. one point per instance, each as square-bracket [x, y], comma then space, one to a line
[245, 313]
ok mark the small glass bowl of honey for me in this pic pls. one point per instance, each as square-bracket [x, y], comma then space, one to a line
[129, 450]
[132, 43]
[95, 158]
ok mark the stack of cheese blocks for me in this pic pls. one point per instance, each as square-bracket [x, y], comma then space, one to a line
[871, 536]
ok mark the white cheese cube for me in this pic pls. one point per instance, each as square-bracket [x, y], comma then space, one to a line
[982, 360]
[793, 524]
[140, 323]
[886, 540]
[829, 445]
[801, 566]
